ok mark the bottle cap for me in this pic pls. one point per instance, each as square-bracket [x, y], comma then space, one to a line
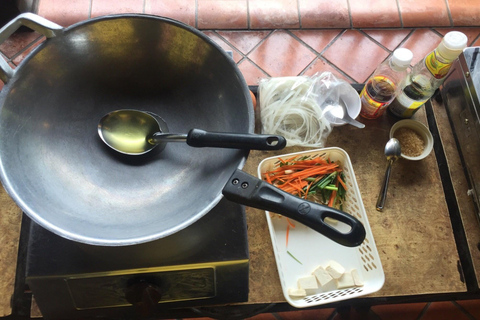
[402, 58]
[452, 45]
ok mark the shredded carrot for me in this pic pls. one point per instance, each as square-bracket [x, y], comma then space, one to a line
[341, 182]
[288, 231]
[332, 198]
[308, 189]
[333, 195]
[291, 223]
[299, 176]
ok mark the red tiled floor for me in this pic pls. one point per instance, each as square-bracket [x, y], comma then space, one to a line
[358, 66]
[317, 39]
[263, 316]
[220, 14]
[476, 43]
[464, 12]
[181, 10]
[64, 13]
[252, 73]
[225, 46]
[356, 314]
[470, 306]
[18, 41]
[471, 33]
[390, 39]
[374, 13]
[103, 7]
[313, 314]
[19, 58]
[444, 310]
[324, 13]
[421, 42]
[320, 66]
[432, 13]
[267, 14]
[244, 41]
[407, 311]
[282, 55]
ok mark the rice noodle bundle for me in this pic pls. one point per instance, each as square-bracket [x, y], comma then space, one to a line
[289, 107]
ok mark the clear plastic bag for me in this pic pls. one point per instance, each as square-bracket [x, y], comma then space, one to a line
[292, 107]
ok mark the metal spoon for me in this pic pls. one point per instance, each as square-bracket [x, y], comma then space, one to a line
[135, 132]
[392, 152]
[339, 111]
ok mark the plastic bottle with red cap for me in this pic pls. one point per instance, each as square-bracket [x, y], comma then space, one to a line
[427, 75]
[382, 87]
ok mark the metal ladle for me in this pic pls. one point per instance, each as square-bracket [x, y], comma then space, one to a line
[339, 111]
[135, 132]
[392, 152]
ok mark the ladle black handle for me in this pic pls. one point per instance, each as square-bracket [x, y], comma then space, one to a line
[248, 190]
[202, 138]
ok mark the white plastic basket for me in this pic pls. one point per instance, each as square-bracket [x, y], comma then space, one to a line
[313, 249]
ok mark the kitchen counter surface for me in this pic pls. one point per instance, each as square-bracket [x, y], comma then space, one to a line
[414, 234]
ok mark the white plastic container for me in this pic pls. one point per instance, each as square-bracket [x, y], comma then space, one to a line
[313, 249]
[419, 128]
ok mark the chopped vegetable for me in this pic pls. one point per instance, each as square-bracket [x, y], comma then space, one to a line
[290, 223]
[291, 255]
[313, 178]
[288, 231]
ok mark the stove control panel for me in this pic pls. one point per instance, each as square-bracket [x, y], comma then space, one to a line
[123, 289]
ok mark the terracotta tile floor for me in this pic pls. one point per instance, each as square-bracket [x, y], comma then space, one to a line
[300, 37]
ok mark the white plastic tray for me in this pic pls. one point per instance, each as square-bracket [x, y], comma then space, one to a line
[313, 249]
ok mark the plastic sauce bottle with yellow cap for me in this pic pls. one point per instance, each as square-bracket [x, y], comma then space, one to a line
[427, 75]
[382, 87]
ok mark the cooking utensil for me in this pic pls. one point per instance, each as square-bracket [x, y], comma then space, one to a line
[339, 110]
[135, 132]
[69, 182]
[392, 152]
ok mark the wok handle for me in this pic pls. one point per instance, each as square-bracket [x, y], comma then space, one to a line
[202, 138]
[34, 22]
[250, 191]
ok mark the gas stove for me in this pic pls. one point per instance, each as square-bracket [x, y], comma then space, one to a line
[204, 264]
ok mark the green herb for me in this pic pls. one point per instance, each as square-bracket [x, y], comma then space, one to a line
[291, 255]
[331, 187]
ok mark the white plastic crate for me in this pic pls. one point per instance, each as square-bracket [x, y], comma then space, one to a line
[313, 249]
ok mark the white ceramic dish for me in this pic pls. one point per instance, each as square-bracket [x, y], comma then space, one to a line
[313, 249]
[422, 130]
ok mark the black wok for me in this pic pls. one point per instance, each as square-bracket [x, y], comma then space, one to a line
[55, 167]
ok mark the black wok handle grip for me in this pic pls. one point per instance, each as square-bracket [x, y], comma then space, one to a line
[201, 138]
[248, 190]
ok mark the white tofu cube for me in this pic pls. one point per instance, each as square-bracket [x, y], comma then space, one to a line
[308, 282]
[297, 293]
[335, 269]
[323, 277]
[345, 281]
[356, 278]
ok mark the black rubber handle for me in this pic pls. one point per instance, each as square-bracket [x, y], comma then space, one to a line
[201, 138]
[250, 191]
